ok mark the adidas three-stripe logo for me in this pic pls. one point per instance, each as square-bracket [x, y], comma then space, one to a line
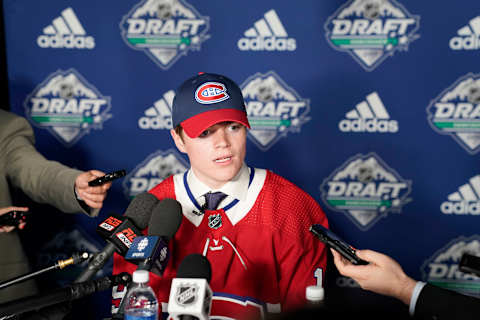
[159, 116]
[369, 116]
[267, 34]
[464, 201]
[65, 31]
[468, 37]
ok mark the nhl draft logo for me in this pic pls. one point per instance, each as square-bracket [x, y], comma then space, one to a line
[215, 221]
[67, 106]
[371, 30]
[442, 269]
[153, 170]
[158, 116]
[365, 189]
[164, 29]
[465, 201]
[186, 294]
[274, 109]
[456, 112]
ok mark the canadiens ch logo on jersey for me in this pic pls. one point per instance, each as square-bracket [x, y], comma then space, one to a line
[274, 109]
[164, 29]
[365, 189]
[442, 268]
[371, 30]
[67, 106]
[456, 112]
[153, 170]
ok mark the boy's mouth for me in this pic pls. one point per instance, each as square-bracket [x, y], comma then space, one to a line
[224, 159]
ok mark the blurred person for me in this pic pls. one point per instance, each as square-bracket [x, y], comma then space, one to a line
[385, 276]
[44, 181]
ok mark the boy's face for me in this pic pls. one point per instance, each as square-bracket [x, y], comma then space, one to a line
[217, 154]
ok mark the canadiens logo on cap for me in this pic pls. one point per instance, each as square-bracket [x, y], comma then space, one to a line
[211, 92]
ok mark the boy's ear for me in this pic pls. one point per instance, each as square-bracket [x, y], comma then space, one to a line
[178, 141]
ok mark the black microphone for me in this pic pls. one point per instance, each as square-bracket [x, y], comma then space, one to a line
[190, 295]
[69, 293]
[14, 218]
[164, 223]
[136, 216]
[151, 252]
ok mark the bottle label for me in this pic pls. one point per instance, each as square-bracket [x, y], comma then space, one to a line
[141, 317]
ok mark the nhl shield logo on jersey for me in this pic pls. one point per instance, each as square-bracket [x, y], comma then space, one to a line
[365, 189]
[371, 30]
[215, 221]
[456, 112]
[164, 29]
[274, 109]
[67, 106]
[211, 92]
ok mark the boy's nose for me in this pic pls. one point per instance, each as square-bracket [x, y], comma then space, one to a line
[221, 139]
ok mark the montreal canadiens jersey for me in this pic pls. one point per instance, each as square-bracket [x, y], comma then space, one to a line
[262, 261]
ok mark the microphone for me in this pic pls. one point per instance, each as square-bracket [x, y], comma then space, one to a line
[60, 264]
[190, 294]
[151, 252]
[72, 292]
[119, 231]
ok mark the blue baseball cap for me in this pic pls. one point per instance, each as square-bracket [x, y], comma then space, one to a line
[205, 100]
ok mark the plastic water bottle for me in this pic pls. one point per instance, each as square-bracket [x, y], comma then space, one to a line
[141, 302]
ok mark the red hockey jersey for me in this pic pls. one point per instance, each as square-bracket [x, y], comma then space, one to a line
[261, 262]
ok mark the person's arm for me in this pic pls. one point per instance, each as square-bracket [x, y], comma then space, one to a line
[382, 275]
[46, 181]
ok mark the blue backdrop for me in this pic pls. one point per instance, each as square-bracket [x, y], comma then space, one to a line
[371, 106]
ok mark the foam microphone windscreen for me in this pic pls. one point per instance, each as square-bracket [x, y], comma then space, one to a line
[140, 209]
[195, 265]
[165, 219]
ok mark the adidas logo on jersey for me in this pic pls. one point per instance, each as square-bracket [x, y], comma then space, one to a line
[468, 36]
[159, 116]
[66, 31]
[369, 116]
[466, 200]
[267, 34]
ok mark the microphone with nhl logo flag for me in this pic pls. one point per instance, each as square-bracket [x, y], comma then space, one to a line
[190, 294]
[151, 252]
[119, 232]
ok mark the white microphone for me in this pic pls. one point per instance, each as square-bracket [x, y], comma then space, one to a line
[190, 293]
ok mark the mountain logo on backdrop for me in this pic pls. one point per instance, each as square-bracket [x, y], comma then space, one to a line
[456, 112]
[365, 189]
[442, 268]
[468, 37]
[267, 34]
[369, 115]
[158, 116]
[465, 201]
[65, 31]
[67, 106]
[153, 170]
[274, 109]
[164, 29]
[371, 30]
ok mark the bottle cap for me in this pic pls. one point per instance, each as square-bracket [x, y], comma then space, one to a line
[140, 276]
[315, 293]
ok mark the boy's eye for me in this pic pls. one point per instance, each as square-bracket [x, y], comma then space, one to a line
[234, 126]
[204, 133]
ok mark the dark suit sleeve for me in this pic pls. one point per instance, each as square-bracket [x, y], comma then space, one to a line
[438, 304]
